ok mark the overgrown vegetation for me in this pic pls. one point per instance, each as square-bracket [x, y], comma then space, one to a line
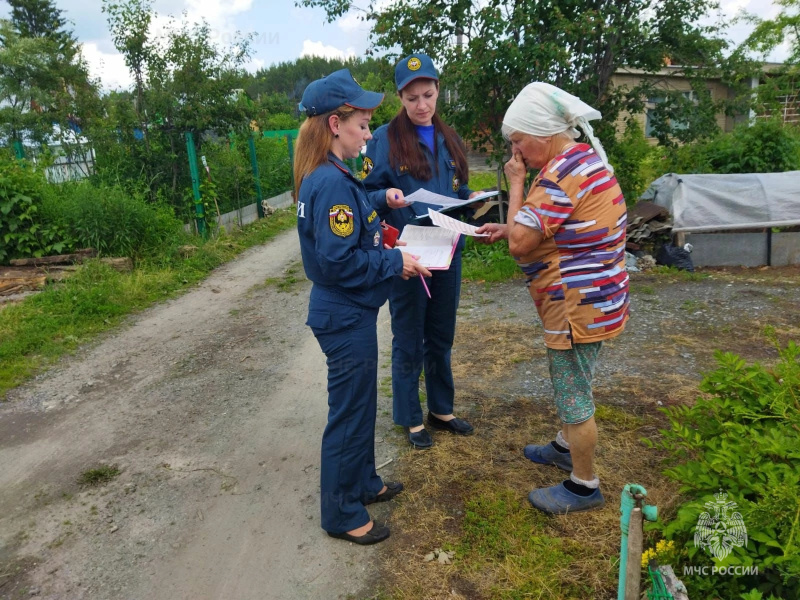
[741, 438]
[767, 146]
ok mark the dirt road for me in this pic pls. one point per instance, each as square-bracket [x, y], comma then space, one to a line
[212, 406]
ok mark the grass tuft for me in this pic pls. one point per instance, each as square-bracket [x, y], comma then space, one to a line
[99, 475]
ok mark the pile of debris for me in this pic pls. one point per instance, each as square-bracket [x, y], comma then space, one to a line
[27, 276]
[646, 223]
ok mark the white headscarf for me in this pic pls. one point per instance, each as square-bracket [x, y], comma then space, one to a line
[542, 110]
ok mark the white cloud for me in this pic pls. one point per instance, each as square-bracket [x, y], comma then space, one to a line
[109, 67]
[351, 22]
[319, 49]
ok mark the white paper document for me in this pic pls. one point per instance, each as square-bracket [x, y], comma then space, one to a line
[452, 224]
[433, 247]
[445, 202]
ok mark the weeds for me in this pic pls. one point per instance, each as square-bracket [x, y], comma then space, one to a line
[99, 475]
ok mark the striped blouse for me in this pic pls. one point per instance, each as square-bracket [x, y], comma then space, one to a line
[577, 276]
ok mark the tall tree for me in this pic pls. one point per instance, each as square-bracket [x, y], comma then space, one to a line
[38, 19]
[490, 49]
[183, 82]
[780, 87]
[46, 93]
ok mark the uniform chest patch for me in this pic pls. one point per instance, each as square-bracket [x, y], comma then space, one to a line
[341, 219]
[403, 169]
[455, 184]
[366, 169]
[452, 164]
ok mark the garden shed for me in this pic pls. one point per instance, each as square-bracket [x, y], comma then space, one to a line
[748, 219]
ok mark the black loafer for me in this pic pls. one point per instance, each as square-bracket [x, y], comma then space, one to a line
[420, 439]
[378, 533]
[457, 426]
[392, 489]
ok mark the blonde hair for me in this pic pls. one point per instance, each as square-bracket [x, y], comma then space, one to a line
[314, 141]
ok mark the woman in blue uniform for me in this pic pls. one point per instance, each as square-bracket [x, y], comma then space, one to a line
[351, 271]
[418, 150]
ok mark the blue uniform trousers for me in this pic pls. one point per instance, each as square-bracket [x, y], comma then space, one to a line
[423, 330]
[348, 336]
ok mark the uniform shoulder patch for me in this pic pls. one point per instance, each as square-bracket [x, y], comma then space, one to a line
[366, 169]
[456, 183]
[341, 219]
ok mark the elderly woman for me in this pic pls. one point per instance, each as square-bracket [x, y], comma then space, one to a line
[568, 237]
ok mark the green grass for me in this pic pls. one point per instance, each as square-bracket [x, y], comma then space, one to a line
[482, 262]
[99, 475]
[502, 536]
[481, 181]
[675, 273]
[48, 325]
[286, 283]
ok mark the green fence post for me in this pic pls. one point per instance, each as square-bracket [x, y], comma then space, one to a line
[291, 159]
[200, 216]
[18, 150]
[256, 176]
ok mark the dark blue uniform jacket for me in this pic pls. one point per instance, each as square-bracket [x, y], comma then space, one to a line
[380, 175]
[341, 239]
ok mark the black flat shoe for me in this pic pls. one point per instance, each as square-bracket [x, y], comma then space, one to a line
[457, 426]
[378, 533]
[392, 489]
[419, 439]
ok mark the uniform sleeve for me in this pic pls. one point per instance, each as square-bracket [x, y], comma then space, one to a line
[378, 175]
[548, 204]
[337, 246]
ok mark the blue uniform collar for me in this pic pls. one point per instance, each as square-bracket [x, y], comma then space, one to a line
[339, 164]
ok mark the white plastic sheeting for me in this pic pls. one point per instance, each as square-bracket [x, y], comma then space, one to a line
[721, 202]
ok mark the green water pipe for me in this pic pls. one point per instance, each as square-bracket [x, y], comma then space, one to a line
[633, 495]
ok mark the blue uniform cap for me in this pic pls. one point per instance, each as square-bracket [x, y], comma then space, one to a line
[414, 66]
[337, 89]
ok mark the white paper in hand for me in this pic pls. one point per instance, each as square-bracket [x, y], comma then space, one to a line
[452, 224]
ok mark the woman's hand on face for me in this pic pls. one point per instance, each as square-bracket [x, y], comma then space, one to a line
[395, 198]
[515, 169]
[411, 268]
[496, 231]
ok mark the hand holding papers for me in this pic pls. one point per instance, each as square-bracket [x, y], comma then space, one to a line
[452, 224]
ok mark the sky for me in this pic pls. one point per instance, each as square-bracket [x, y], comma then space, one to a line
[282, 32]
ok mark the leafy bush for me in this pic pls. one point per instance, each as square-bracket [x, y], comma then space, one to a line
[488, 262]
[22, 232]
[632, 158]
[109, 219]
[274, 166]
[231, 175]
[743, 438]
[768, 146]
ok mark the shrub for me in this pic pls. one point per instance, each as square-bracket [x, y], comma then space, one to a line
[22, 232]
[742, 438]
[632, 159]
[109, 219]
[768, 146]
